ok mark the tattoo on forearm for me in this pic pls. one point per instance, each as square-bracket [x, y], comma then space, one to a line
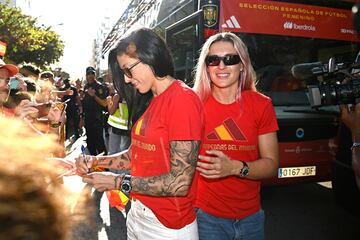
[183, 158]
[121, 162]
[124, 162]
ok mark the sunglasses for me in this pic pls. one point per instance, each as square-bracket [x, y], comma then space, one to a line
[228, 60]
[127, 71]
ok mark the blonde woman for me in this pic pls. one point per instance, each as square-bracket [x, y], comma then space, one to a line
[240, 145]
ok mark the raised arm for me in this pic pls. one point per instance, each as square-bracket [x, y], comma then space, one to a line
[114, 104]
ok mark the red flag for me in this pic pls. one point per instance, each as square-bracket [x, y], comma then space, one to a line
[2, 48]
[117, 199]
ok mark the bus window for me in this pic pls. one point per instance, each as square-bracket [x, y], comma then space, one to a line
[273, 56]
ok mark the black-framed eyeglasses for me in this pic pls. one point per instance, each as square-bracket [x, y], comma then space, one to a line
[127, 71]
[228, 60]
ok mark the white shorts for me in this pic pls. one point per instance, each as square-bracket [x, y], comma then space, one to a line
[142, 224]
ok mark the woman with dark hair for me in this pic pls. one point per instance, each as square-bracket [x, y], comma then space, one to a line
[240, 145]
[166, 118]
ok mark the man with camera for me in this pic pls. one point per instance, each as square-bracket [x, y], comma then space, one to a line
[352, 120]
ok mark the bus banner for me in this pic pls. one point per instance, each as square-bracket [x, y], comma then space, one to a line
[289, 19]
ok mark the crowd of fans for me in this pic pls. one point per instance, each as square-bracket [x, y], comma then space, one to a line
[173, 194]
[55, 112]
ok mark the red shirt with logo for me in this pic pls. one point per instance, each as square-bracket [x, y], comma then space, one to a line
[176, 114]
[234, 129]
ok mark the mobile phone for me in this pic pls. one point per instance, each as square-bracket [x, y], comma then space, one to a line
[13, 83]
[43, 108]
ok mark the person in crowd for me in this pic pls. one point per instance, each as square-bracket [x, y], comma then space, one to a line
[26, 109]
[18, 91]
[30, 71]
[108, 90]
[48, 76]
[240, 145]
[93, 105]
[6, 71]
[166, 118]
[34, 204]
[73, 110]
[352, 120]
[119, 139]
[79, 88]
[45, 87]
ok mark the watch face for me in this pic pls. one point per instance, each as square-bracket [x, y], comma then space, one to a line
[245, 172]
[125, 187]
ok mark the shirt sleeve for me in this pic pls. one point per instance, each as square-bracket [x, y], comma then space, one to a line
[268, 122]
[186, 117]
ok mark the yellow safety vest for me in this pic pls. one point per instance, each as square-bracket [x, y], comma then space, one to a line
[120, 118]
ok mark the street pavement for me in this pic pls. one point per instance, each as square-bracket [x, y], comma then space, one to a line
[109, 222]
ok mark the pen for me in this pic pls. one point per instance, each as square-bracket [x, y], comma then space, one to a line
[83, 154]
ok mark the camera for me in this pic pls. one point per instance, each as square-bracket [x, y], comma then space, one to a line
[339, 83]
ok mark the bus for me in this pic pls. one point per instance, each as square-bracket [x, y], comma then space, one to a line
[279, 34]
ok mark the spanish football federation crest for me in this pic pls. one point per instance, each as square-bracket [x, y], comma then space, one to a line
[210, 15]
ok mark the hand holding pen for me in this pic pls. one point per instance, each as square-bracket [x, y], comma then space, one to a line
[86, 163]
[83, 162]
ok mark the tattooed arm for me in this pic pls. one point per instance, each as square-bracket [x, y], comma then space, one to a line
[183, 158]
[119, 161]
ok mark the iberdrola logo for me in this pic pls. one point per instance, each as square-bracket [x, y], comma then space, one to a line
[228, 131]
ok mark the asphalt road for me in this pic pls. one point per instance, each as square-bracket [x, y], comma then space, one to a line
[307, 211]
[296, 212]
[293, 212]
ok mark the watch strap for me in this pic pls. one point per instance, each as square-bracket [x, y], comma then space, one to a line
[127, 177]
[244, 170]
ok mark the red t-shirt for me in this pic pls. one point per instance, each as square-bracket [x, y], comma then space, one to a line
[234, 129]
[176, 114]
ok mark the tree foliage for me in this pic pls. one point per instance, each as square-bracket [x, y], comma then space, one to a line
[26, 41]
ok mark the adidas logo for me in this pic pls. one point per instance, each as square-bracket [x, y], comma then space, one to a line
[231, 23]
[228, 131]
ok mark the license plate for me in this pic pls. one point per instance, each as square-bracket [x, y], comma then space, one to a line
[297, 172]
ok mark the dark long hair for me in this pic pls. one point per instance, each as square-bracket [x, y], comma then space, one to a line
[150, 49]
